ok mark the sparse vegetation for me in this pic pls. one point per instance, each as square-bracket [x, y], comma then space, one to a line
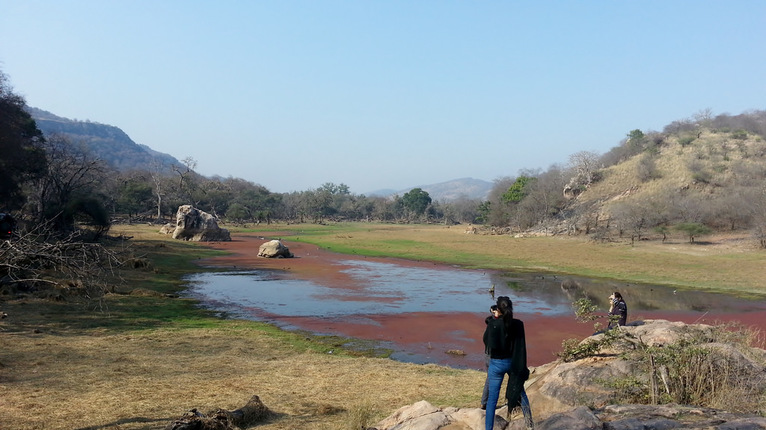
[697, 370]
[702, 368]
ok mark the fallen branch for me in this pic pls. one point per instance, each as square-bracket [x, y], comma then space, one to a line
[253, 412]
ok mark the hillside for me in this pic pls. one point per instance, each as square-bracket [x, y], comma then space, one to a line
[106, 142]
[709, 172]
[114, 146]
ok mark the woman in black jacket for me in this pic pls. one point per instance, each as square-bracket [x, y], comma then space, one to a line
[505, 343]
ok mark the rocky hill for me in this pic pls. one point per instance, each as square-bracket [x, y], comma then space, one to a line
[707, 171]
[106, 142]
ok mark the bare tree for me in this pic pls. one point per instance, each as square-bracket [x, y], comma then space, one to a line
[159, 180]
[186, 179]
[585, 164]
[72, 172]
[633, 217]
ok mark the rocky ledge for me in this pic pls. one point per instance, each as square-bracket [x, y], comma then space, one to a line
[655, 361]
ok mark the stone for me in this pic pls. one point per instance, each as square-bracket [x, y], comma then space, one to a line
[581, 418]
[274, 249]
[196, 225]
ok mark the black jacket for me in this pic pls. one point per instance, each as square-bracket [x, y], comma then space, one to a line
[509, 343]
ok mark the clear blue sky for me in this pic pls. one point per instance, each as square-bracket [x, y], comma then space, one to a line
[383, 94]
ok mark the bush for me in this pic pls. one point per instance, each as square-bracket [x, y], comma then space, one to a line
[739, 135]
[686, 140]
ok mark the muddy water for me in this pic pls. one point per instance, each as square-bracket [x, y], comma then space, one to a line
[426, 312]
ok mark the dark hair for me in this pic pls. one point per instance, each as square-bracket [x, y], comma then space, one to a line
[505, 306]
[493, 308]
[617, 295]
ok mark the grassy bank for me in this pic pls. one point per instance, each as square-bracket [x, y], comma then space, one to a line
[726, 263]
[142, 357]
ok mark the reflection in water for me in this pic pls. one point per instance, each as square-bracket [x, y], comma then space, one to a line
[383, 288]
[380, 288]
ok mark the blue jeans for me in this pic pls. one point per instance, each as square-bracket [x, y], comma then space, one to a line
[485, 392]
[496, 372]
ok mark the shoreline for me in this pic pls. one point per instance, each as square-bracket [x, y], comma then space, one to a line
[420, 336]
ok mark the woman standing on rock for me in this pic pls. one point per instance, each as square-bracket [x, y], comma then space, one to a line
[506, 345]
[618, 310]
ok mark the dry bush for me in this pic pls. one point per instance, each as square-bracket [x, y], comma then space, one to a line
[716, 369]
[44, 263]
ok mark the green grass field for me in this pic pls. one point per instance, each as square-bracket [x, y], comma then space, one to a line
[725, 264]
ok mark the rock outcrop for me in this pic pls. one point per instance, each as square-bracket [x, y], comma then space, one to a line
[274, 249]
[424, 416]
[560, 391]
[194, 224]
[562, 385]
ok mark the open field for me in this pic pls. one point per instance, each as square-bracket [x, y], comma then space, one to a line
[729, 262]
[138, 361]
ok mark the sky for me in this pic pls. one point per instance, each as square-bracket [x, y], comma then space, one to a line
[389, 94]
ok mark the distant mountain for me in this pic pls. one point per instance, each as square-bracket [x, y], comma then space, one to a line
[455, 189]
[106, 142]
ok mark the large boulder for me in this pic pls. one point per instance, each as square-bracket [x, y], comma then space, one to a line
[194, 224]
[274, 249]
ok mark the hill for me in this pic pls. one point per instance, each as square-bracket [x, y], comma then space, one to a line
[707, 172]
[114, 146]
[464, 188]
[106, 142]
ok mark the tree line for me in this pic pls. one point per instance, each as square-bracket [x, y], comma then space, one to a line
[56, 180]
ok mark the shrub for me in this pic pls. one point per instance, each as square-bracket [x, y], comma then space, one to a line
[686, 140]
[739, 134]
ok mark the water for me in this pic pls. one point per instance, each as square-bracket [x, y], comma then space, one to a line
[384, 291]
[389, 288]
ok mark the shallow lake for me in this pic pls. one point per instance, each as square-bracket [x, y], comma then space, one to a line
[435, 314]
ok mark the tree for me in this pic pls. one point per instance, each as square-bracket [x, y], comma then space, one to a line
[22, 157]
[73, 174]
[693, 229]
[238, 212]
[543, 198]
[633, 216]
[585, 165]
[187, 180]
[135, 195]
[416, 201]
[517, 191]
[159, 180]
[259, 202]
[497, 211]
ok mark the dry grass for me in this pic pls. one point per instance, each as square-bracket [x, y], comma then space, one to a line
[143, 380]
